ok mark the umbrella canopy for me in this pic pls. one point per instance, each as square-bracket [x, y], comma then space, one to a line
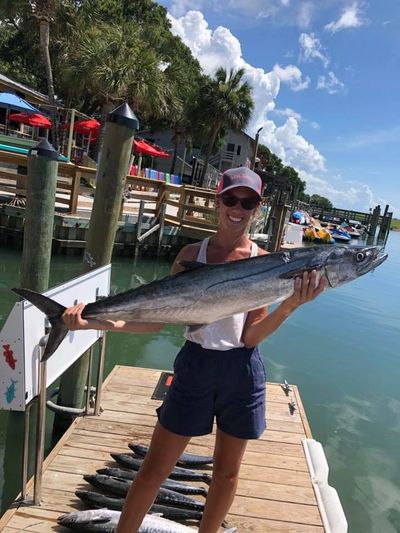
[86, 127]
[141, 147]
[12, 101]
[34, 119]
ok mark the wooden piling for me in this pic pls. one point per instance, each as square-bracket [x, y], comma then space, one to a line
[110, 181]
[39, 216]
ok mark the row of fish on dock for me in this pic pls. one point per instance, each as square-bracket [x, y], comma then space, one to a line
[173, 505]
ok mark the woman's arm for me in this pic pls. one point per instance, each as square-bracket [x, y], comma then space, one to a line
[260, 324]
[73, 321]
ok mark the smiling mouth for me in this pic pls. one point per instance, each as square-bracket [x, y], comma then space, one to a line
[234, 219]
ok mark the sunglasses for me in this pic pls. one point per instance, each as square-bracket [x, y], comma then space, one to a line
[248, 204]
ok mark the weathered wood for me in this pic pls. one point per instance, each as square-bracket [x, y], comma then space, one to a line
[274, 492]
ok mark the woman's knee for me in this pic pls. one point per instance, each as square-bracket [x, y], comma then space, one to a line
[226, 476]
[152, 474]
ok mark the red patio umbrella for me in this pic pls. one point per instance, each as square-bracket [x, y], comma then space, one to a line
[34, 119]
[141, 147]
[87, 127]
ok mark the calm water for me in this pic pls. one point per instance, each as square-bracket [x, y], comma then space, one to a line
[342, 350]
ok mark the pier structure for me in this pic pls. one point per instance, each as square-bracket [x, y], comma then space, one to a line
[155, 217]
[278, 488]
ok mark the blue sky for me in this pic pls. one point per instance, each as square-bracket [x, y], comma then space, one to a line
[326, 77]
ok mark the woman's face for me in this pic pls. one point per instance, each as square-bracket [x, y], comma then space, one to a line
[232, 207]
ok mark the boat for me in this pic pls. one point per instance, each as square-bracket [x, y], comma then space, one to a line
[354, 234]
[318, 235]
[340, 234]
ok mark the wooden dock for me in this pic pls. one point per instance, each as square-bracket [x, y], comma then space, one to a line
[275, 492]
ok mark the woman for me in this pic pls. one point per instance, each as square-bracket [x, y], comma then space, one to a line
[219, 371]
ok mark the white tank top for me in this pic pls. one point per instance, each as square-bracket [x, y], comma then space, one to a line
[223, 334]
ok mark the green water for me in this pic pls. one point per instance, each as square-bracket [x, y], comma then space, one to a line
[342, 350]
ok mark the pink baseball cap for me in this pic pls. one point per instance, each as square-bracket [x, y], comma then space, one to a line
[239, 177]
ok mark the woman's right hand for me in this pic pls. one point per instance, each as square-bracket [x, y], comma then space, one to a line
[72, 318]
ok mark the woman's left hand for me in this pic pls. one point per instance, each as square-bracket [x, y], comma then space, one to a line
[306, 289]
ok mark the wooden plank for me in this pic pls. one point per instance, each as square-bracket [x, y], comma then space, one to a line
[274, 491]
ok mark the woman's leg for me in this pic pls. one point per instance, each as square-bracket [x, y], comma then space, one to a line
[228, 455]
[164, 451]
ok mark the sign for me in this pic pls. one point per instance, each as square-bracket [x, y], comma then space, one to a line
[25, 326]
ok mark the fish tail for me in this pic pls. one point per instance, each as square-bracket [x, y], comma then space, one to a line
[207, 479]
[53, 311]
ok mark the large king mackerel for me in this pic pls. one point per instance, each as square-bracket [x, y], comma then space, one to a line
[206, 293]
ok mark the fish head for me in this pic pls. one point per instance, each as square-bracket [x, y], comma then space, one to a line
[80, 519]
[346, 263]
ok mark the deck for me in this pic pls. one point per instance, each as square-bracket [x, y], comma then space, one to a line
[275, 492]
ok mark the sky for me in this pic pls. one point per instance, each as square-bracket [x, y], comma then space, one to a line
[326, 79]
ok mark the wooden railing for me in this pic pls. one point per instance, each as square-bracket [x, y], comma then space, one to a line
[186, 206]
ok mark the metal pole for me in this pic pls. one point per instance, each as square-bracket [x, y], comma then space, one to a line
[40, 424]
[89, 376]
[100, 371]
[253, 161]
[25, 452]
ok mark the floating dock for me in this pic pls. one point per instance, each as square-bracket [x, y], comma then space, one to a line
[275, 491]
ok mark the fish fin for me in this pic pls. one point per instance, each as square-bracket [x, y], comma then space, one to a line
[190, 265]
[53, 310]
[298, 272]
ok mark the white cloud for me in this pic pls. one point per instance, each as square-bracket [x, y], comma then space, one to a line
[305, 13]
[350, 18]
[330, 84]
[315, 125]
[218, 47]
[180, 7]
[311, 48]
[292, 76]
[287, 112]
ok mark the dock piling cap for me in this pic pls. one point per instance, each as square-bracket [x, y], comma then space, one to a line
[124, 115]
[44, 148]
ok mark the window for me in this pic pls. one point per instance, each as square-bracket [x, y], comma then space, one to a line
[238, 150]
[230, 147]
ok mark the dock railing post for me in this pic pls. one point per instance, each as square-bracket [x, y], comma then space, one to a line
[25, 453]
[40, 424]
[100, 372]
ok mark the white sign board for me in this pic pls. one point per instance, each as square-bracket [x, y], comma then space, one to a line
[25, 326]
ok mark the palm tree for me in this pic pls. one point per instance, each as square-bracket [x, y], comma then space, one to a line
[44, 11]
[109, 64]
[227, 101]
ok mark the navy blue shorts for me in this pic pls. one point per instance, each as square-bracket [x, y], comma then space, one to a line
[228, 385]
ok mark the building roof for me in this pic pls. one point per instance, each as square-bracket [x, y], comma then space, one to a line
[31, 95]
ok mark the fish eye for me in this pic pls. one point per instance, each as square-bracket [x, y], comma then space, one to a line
[360, 256]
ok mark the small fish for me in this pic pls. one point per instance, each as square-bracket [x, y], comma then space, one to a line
[105, 521]
[185, 460]
[10, 392]
[101, 501]
[8, 356]
[181, 474]
[170, 484]
[205, 293]
[120, 487]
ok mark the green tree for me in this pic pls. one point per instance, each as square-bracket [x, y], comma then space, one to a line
[225, 101]
[321, 201]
